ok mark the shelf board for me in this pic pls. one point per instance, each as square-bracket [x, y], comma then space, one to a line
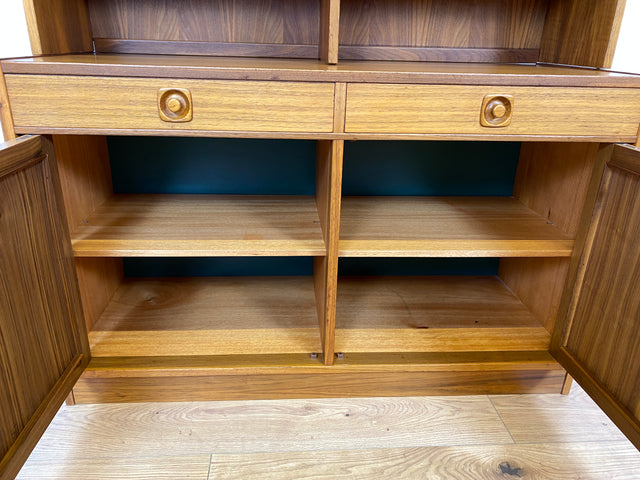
[433, 314]
[239, 365]
[210, 67]
[209, 316]
[201, 225]
[446, 227]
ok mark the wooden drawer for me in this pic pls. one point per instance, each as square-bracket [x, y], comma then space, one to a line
[446, 109]
[111, 104]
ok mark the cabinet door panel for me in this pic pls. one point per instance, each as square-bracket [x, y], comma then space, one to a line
[600, 345]
[43, 347]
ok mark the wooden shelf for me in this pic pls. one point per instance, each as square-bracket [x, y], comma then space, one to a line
[209, 316]
[446, 227]
[199, 365]
[433, 314]
[235, 68]
[201, 225]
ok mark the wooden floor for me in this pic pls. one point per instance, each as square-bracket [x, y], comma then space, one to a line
[543, 437]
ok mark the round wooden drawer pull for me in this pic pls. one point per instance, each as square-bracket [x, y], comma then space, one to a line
[496, 111]
[174, 105]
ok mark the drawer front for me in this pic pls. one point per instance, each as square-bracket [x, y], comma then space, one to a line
[39, 102]
[458, 109]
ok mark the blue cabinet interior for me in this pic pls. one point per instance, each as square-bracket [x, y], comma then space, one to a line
[287, 167]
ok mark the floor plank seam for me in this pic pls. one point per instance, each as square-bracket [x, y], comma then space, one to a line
[210, 465]
[36, 457]
[50, 460]
[502, 420]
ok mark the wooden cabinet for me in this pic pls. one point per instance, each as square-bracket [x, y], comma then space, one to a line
[392, 198]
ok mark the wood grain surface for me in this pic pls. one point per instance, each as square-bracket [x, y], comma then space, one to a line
[165, 467]
[43, 345]
[388, 108]
[20, 153]
[579, 415]
[329, 30]
[606, 351]
[85, 179]
[289, 384]
[69, 33]
[538, 283]
[85, 174]
[130, 103]
[553, 180]
[236, 49]
[534, 461]
[262, 21]
[441, 23]
[433, 313]
[231, 68]
[201, 225]
[579, 32]
[438, 54]
[280, 425]
[209, 316]
[299, 363]
[446, 227]
[329, 157]
[6, 118]
[453, 437]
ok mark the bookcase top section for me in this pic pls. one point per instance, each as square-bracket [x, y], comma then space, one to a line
[200, 67]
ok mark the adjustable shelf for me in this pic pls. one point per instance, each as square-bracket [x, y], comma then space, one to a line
[447, 227]
[201, 225]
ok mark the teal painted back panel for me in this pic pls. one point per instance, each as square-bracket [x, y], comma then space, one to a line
[212, 165]
[429, 168]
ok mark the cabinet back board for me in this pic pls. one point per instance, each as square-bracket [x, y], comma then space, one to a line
[557, 31]
[501, 30]
[287, 167]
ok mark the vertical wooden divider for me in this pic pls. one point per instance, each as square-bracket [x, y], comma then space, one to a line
[552, 180]
[329, 155]
[329, 31]
[85, 178]
[581, 32]
[69, 33]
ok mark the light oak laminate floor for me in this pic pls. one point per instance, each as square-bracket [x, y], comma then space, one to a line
[544, 437]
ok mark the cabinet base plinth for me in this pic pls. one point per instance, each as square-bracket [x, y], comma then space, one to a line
[316, 385]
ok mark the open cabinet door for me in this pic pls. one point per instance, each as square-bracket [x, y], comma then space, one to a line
[599, 341]
[43, 341]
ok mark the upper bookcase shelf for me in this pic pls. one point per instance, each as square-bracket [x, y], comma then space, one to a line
[497, 31]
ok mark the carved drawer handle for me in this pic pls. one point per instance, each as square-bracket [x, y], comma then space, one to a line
[174, 105]
[496, 110]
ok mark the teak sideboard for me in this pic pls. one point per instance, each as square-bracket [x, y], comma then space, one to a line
[246, 199]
